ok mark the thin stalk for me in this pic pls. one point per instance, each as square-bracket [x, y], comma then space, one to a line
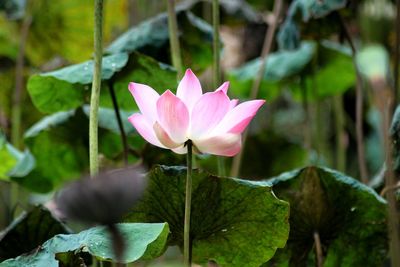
[19, 84]
[340, 133]
[393, 215]
[359, 107]
[267, 46]
[96, 85]
[188, 204]
[174, 39]
[318, 250]
[119, 121]
[217, 67]
[307, 117]
[397, 55]
[16, 110]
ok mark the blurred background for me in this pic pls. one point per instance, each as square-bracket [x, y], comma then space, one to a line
[323, 55]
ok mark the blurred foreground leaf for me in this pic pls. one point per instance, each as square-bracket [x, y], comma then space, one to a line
[349, 217]
[28, 232]
[143, 241]
[226, 214]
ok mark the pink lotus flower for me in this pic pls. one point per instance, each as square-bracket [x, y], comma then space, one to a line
[211, 121]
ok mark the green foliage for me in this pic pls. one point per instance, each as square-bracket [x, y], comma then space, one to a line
[58, 143]
[151, 38]
[225, 213]
[68, 28]
[28, 232]
[140, 69]
[64, 89]
[289, 33]
[14, 162]
[143, 241]
[14, 9]
[348, 216]
[333, 60]
[279, 66]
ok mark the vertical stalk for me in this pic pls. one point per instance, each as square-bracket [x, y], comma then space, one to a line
[359, 107]
[173, 38]
[217, 68]
[267, 46]
[318, 250]
[19, 84]
[188, 203]
[397, 55]
[96, 85]
[307, 117]
[119, 121]
[385, 106]
[340, 134]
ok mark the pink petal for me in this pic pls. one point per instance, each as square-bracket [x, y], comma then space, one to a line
[208, 112]
[163, 136]
[180, 150]
[143, 127]
[189, 89]
[224, 87]
[239, 117]
[233, 103]
[173, 116]
[223, 145]
[146, 98]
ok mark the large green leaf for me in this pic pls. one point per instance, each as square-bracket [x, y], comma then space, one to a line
[226, 214]
[59, 144]
[279, 65]
[349, 217]
[151, 38]
[108, 120]
[143, 241]
[232, 12]
[289, 32]
[28, 231]
[64, 89]
[334, 60]
[139, 69]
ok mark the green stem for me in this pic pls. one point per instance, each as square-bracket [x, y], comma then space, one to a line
[119, 121]
[397, 54]
[359, 107]
[19, 84]
[340, 133]
[267, 46]
[217, 67]
[173, 38]
[386, 103]
[96, 85]
[188, 200]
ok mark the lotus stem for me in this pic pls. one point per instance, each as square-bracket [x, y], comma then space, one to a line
[359, 108]
[188, 200]
[174, 39]
[96, 85]
[217, 68]
[119, 121]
